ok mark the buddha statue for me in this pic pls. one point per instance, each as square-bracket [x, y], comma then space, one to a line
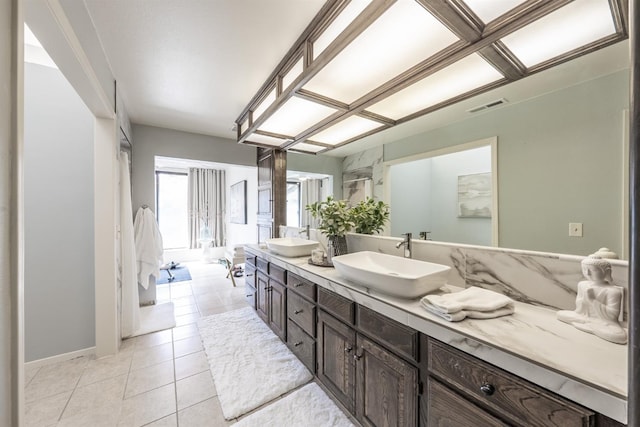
[598, 303]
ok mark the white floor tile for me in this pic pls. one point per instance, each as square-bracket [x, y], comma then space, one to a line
[207, 413]
[47, 411]
[186, 331]
[191, 364]
[153, 339]
[195, 389]
[97, 395]
[151, 356]
[187, 346]
[105, 368]
[148, 407]
[145, 379]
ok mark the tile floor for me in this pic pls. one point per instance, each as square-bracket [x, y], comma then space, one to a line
[160, 379]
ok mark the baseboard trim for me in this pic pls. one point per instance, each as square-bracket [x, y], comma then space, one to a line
[60, 358]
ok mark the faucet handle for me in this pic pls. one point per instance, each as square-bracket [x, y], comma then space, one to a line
[408, 235]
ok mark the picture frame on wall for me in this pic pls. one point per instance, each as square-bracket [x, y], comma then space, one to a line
[474, 195]
[238, 203]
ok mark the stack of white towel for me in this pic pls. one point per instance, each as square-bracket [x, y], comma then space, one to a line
[473, 302]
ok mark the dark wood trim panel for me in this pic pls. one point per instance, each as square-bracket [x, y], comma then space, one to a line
[457, 17]
[503, 60]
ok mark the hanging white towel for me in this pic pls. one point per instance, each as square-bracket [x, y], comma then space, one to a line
[474, 302]
[148, 246]
[130, 306]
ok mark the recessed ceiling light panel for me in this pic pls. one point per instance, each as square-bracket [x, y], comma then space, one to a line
[267, 140]
[402, 37]
[295, 116]
[311, 148]
[342, 21]
[488, 10]
[461, 77]
[266, 102]
[570, 27]
[346, 129]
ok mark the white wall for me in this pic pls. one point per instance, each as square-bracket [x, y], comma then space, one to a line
[59, 222]
[150, 141]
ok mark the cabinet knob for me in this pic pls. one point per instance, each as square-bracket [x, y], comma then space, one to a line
[297, 344]
[487, 389]
[357, 356]
[348, 349]
[297, 311]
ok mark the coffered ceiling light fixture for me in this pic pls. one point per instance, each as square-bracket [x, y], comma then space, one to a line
[362, 66]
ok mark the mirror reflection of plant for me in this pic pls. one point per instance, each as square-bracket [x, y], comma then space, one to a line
[370, 216]
[335, 216]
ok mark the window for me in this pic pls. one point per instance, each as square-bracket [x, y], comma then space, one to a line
[172, 191]
[293, 204]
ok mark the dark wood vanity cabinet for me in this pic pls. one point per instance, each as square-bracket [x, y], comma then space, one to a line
[492, 392]
[250, 281]
[388, 374]
[271, 297]
[371, 381]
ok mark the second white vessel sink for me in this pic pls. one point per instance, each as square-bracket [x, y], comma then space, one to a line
[291, 246]
[392, 275]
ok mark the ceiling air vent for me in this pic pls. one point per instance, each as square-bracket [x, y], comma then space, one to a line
[488, 105]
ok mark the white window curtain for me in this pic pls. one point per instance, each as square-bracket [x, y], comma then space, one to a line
[310, 192]
[207, 204]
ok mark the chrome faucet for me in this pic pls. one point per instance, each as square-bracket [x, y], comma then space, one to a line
[306, 231]
[407, 245]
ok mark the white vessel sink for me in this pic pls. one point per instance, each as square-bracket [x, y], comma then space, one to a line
[392, 275]
[291, 246]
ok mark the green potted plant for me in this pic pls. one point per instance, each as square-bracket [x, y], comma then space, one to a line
[335, 220]
[370, 216]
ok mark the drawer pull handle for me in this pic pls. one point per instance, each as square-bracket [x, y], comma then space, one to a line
[298, 311]
[249, 295]
[487, 389]
[299, 343]
[297, 285]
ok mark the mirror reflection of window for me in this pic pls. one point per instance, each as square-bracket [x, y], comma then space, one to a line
[293, 204]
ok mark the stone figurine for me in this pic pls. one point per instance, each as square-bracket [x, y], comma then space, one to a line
[599, 302]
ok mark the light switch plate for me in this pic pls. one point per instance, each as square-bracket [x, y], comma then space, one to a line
[575, 229]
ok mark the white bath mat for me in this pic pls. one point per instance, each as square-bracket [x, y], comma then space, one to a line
[157, 317]
[309, 407]
[249, 364]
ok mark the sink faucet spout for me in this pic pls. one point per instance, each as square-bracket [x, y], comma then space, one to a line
[407, 245]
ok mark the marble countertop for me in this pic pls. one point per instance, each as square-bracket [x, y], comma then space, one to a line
[531, 343]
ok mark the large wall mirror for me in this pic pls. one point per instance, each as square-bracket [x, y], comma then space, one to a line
[561, 157]
[454, 190]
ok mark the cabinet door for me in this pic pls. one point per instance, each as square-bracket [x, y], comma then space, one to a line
[387, 387]
[336, 364]
[277, 301]
[262, 287]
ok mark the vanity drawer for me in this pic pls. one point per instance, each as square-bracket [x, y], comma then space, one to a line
[302, 345]
[302, 312]
[302, 286]
[250, 259]
[262, 264]
[399, 338]
[250, 274]
[278, 273]
[502, 393]
[250, 295]
[337, 305]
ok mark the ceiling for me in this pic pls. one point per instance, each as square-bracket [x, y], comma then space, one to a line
[193, 65]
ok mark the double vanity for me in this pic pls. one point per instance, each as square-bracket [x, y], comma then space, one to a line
[390, 362]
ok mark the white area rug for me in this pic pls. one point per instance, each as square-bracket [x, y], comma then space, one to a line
[157, 317]
[249, 364]
[309, 407]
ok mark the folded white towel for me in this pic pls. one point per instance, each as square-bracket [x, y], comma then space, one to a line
[470, 299]
[462, 314]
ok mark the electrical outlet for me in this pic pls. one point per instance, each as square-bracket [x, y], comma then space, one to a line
[575, 229]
